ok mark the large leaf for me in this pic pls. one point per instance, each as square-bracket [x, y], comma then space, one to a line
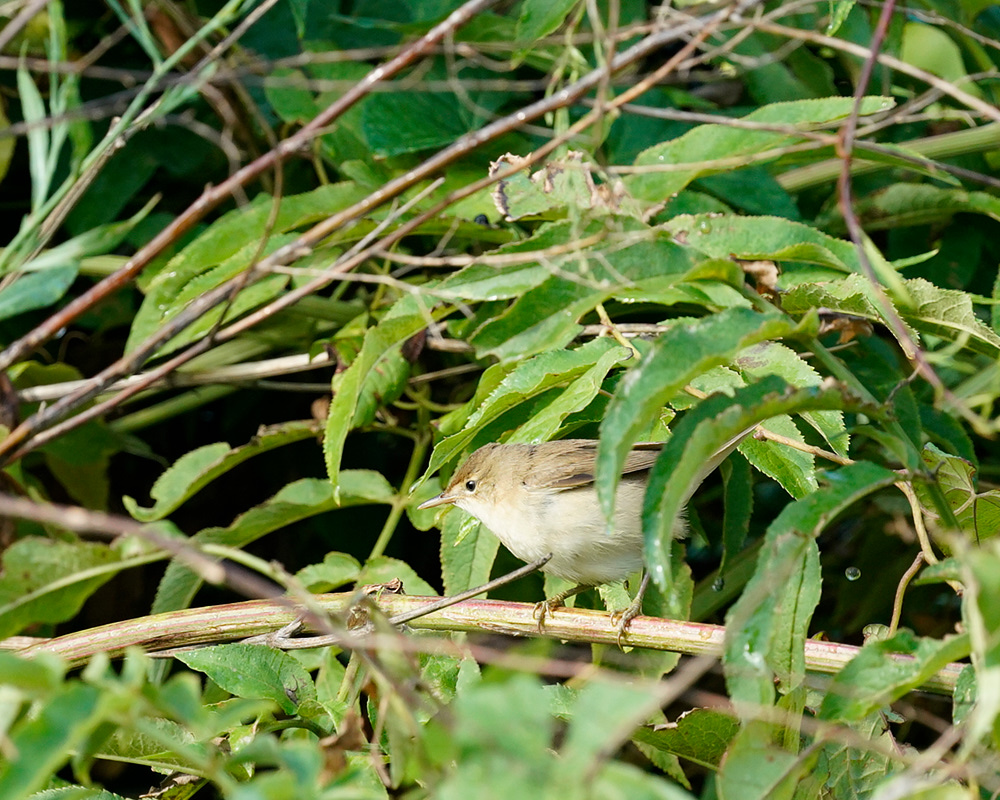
[978, 513]
[534, 376]
[405, 319]
[228, 246]
[756, 238]
[767, 628]
[689, 156]
[255, 672]
[886, 670]
[48, 580]
[704, 432]
[683, 352]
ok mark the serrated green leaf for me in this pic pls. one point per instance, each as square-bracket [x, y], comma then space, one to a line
[773, 358]
[405, 319]
[529, 379]
[255, 672]
[707, 143]
[759, 238]
[947, 313]
[767, 627]
[700, 735]
[679, 355]
[794, 469]
[978, 513]
[193, 471]
[877, 675]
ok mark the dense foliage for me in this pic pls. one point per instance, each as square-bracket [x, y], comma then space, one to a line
[273, 268]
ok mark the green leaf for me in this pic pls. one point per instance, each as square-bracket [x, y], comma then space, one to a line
[405, 318]
[981, 619]
[336, 569]
[596, 720]
[97, 241]
[909, 204]
[48, 580]
[406, 122]
[44, 740]
[255, 672]
[682, 353]
[468, 550]
[737, 487]
[707, 143]
[193, 471]
[760, 238]
[531, 378]
[33, 290]
[847, 771]
[700, 735]
[947, 313]
[794, 469]
[767, 627]
[539, 18]
[754, 769]
[544, 423]
[546, 317]
[298, 500]
[929, 48]
[773, 358]
[978, 513]
[225, 249]
[877, 675]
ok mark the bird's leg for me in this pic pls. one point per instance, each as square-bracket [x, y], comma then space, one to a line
[546, 607]
[622, 618]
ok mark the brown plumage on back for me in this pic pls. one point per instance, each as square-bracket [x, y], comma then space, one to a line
[568, 463]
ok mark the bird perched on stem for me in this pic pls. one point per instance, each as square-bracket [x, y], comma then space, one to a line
[540, 501]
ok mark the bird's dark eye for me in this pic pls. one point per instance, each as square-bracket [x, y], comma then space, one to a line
[470, 486]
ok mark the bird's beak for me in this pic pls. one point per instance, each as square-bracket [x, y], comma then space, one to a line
[442, 499]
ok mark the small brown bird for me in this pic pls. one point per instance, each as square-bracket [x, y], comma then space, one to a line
[540, 500]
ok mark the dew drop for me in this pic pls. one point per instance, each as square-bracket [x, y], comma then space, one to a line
[718, 584]
[852, 573]
[704, 226]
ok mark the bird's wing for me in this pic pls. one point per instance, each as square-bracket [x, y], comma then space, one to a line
[549, 463]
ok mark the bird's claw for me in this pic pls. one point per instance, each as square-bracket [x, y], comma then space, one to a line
[542, 610]
[621, 620]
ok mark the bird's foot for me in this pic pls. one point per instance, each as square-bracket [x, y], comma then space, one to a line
[544, 609]
[621, 619]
